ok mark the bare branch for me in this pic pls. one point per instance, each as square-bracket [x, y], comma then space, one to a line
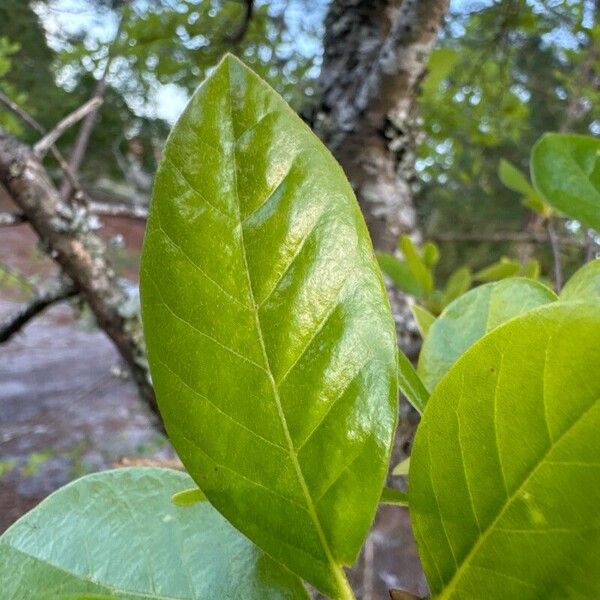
[27, 118]
[16, 322]
[67, 234]
[503, 236]
[22, 114]
[118, 210]
[42, 147]
[87, 126]
[8, 219]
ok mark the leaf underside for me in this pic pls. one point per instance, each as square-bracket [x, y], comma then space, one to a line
[505, 469]
[117, 536]
[269, 334]
[470, 317]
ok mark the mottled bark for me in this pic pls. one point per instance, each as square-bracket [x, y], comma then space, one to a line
[376, 54]
[66, 232]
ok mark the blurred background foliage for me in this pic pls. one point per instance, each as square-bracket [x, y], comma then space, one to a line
[503, 73]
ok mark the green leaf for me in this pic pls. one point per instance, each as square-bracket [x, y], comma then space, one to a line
[423, 318]
[502, 269]
[584, 284]
[394, 497]
[188, 497]
[531, 269]
[410, 384]
[270, 339]
[470, 317]
[504, 472]
[514, 179]
[402, 467]
[431, 254]
[458, 283]
[565, 170]
[418, 268]
[117, 535]
[400, 274]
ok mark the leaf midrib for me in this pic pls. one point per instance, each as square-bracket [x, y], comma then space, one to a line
[338, 573]
[451, 586]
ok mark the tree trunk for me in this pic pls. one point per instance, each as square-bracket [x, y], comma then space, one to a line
[375, 56]
[66, 231]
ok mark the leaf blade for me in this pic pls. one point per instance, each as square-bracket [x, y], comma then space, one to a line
[471, 316]
[478, 500]
[144, 545]
[565, 170]
[296, 297]
[584, 284]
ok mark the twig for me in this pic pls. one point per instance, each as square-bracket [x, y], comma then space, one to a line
[503, 236]
[42, 147]
[118, 210]
[556, 259]
[62, 163]
[87, 126]
[8, 219]
[16, 322]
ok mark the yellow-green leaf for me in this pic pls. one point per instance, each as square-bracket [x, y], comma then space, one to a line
[470, 317]
[505, 470]
[584, 284]
[270, 339]
[423, 318]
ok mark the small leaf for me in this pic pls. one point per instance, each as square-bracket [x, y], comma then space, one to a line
[458, 283]
[401, 469]
[270, 338]
[584, 284]
[531, 269]
[502, 269]
[410, 384]
[394, 497]
[431, 254]
[470, 317]
[400, 274]
[116, 535]
[188, 497]
[504, 473]
[516, 181]
[418, 268]
[565, 170]
[423, 318]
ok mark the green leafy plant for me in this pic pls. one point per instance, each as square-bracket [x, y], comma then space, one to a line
[273, 354]
[415, 275]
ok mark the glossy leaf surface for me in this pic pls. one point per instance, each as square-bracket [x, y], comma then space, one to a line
[470, 317]
[565, 169]
[270, 338]
[584, 283]
[116, 535]
[504, 471]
